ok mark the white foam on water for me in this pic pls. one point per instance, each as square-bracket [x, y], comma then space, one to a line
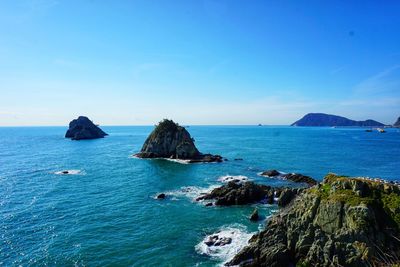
[69, 172]
[239, 239]
[181, 161]
[230, 178]
[191, 192]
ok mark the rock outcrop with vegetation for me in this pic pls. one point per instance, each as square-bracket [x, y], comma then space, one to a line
[83, 128]
[247, 193]
[170, 140]
[321, 119]
[341, 222]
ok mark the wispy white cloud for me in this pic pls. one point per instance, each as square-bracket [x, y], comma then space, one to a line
[386, 80]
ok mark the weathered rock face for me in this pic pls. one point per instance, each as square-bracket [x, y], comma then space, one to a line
[299, 178]
[169, 140]
[342, 222]
[83, 128]
[397, 123]
[246, 193]
[294, 177]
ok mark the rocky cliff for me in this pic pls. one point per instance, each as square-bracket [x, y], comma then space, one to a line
[83, 128]
[341, 222]
[169, 140]
[321, 119]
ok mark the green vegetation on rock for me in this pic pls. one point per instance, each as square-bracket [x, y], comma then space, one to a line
[343, 221]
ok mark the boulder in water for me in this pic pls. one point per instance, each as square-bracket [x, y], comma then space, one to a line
[161, 196]
[271, 173]
[83, 128]
[254, 216]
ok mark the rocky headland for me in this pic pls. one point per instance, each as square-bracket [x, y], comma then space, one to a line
[341, 222]
[83, 128]
[321, 119]
[171, 141]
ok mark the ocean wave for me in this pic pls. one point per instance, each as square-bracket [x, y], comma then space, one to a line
[192, 192]
[69, 172]
[233, 178]
[225, 243]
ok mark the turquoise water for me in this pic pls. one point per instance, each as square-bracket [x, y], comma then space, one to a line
[105, 214]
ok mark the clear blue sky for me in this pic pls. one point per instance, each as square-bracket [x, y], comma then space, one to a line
[197, 61]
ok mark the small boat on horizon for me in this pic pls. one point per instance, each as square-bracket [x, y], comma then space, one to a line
[381, 130]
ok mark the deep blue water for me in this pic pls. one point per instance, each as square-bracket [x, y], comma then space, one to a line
[106, 214]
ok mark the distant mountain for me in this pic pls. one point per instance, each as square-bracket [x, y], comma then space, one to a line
[321, 119]
[397, 123]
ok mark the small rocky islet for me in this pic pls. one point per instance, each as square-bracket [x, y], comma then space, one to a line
[169, 140]
[83, 128]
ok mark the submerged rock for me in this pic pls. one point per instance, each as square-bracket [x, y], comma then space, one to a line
[161, 196]
[171, 141]
[271, 173]
[254, 216]
[83, 128]
[342, 222]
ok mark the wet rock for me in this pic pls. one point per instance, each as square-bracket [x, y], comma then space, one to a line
[245, 193]
[161, 196]
[215, 240]
[254, 216]
[65, 172]
[83, 128]
[271, 173]
[209, 204]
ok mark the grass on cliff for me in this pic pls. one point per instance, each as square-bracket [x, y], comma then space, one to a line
[390, 202]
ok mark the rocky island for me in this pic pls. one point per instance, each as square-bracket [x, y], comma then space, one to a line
[341, 222]
[324, 120]
[83, 128]
[171, 141]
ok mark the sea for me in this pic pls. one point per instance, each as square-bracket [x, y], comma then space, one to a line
[104, 212]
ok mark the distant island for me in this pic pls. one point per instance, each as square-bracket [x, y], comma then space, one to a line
[322, 119]
[397, 123]
[83, 128]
